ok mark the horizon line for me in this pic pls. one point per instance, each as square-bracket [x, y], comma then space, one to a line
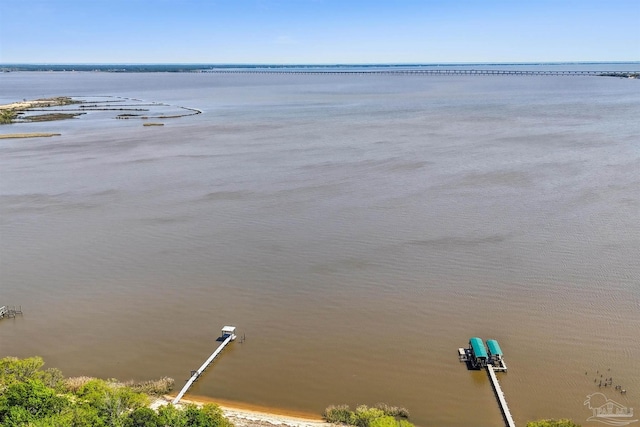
[283, 64]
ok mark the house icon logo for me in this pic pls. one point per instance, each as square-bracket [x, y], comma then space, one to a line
[608, 411]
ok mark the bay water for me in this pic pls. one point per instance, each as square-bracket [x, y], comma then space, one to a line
[357, 229]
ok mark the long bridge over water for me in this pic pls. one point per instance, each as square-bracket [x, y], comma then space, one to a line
[427, 72]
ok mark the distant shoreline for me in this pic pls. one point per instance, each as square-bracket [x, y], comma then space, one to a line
[620, 69]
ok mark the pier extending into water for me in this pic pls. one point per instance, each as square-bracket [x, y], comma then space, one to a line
[6, 311]
[500, 396]
[228, 335]
[477, 357]
[423, 72]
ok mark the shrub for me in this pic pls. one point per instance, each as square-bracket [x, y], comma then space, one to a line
[365, 415]
[154, 387]
[209, 415]
[112, 400]
[381, 415]
[75, 383]
[169, 415]
[384, 421]
[339, 414]
[215, 415]
[93, 391]
[393, 411]
[7, 116]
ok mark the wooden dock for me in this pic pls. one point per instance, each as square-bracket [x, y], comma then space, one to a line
[228, 333]
[500, 396]
[9, 312]
[490, 357]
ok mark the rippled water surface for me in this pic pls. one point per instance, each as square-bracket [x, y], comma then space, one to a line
[357, 230]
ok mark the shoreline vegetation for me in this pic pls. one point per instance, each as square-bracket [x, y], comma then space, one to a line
[14, 113]
[11, 113]
[37, 397]
[29, 135]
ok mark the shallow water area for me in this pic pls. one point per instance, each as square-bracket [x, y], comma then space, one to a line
[356, 229]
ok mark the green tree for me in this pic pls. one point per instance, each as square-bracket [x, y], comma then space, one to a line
[14, 370]
[117, 403]
[7, 116]
[384, 421]
[382, 415]
[30, 400]
[170, 416]
[209, 415]
[31, 396]
[143, 417]
[215, 415]
[113, 402]
[339, 414]
[59, 420]
[365, 415]
[195, 418]
[93, 392]
[389, 421]
[83, 415]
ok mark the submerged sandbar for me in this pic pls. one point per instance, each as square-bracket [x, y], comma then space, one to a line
[29, 135]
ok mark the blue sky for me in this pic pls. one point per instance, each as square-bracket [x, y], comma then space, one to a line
[318, 31]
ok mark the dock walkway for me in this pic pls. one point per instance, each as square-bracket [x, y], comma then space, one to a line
[490, 357]
[9, 312]
[500, 395]
[229, 335]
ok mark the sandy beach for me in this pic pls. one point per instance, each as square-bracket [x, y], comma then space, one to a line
[29, 135]
[36, 103]
[246, 416]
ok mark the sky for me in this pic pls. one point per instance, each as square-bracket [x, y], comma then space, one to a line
[318, 31]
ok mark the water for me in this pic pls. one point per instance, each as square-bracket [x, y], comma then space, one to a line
[357, 229]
